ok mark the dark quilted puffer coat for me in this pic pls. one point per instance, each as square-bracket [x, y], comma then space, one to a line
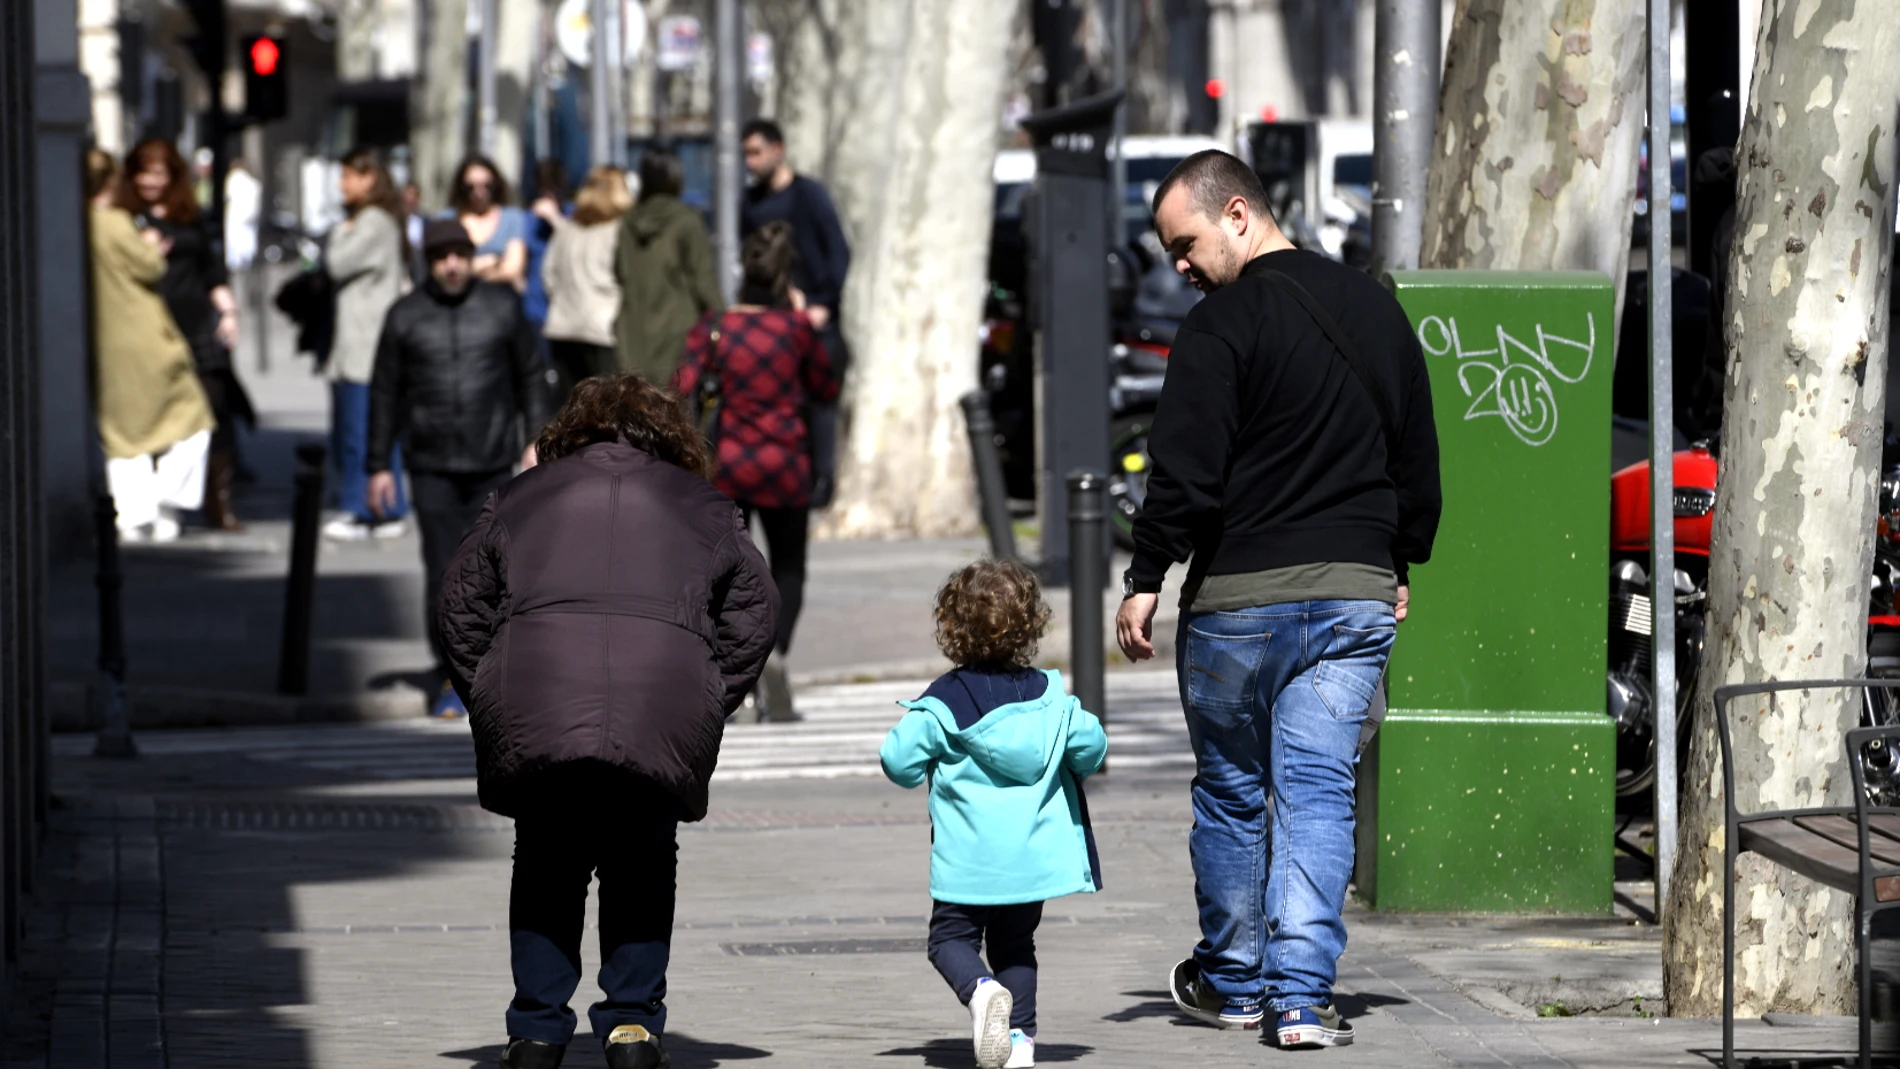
[608, 607]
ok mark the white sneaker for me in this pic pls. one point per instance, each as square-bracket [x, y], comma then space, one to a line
[346, 529]
[165, 529]
[1022, 1050]
[389, 529]
[989, 1017]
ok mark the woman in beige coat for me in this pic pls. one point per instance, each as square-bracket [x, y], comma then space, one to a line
[154, 419]
[578, 272]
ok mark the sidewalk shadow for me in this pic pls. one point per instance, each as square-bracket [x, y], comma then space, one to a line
[955, 1053]
[1161, 1004]
[585, 1053]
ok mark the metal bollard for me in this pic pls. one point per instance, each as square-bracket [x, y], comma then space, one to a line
[293, 662]
[115, 727]
[1088, 569]
[989, 474]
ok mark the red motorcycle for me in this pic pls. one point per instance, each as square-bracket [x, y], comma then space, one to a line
[1631, 699]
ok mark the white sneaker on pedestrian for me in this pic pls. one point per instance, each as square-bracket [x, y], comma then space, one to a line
[1022, 1050]
[165, 529]
[990, 1005]
[389, 529]
[346, 529]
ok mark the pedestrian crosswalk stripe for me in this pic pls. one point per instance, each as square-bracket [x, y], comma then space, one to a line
[842, 728]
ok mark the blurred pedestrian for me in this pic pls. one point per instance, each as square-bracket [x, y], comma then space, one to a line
[602, 619]
[583, 296]
[412, 223]
[197, 290]
[154, 420]
[780, 194]
[243, 201]
[664, 265]
[547, 213]
[456, 378]
[367, 258]
[768, 368]
[479, 200]
[1004, 749]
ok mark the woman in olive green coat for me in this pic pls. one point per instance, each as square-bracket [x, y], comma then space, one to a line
[665, 266]
[154, 419]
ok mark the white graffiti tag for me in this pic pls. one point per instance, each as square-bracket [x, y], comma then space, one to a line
[1513, 380]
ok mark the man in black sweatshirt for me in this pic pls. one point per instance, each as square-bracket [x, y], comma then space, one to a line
[1296, 463]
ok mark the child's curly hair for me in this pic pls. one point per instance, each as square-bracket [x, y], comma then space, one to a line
[991, 612]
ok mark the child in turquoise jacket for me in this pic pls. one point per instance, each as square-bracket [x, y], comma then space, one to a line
[1005, 751]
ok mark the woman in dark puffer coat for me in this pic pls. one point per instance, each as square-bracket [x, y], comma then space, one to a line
[604, 616]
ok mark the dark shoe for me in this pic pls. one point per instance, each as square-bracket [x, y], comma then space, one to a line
[532, 1054]
[219, 513]
[1313, 1026]
[448, 704]
[1193, 997]
[633, 1047]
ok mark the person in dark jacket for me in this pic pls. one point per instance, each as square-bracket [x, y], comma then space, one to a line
[780, 194]
[664, 264]
[456, 375]
[1296, 461]
[604, 616]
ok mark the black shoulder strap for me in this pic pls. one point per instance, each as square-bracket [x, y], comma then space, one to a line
[1351, 354]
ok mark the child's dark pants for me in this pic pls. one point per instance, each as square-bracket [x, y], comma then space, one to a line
[957, 935]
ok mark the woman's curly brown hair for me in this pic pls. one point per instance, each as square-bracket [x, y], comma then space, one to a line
[625, 407]
[991, 612]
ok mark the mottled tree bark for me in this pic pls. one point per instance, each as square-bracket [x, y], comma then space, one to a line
[1794, 519]
[922, 195]
[438, 137]
[1540, 121]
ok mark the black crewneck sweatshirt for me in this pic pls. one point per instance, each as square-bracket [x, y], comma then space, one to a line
[1268, 453]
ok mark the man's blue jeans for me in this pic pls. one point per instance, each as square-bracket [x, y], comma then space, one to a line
[1275, 696]
[349, 451]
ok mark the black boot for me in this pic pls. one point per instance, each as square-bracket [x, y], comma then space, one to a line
[532, 1054]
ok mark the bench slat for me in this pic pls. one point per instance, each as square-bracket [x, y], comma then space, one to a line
[1843, 831]
[1814, 854]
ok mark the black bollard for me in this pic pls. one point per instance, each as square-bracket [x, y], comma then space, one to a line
[115, 721]
[989, 474]
[1088, 569]
[293, 662]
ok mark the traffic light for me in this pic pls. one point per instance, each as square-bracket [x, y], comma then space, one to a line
[266, 95]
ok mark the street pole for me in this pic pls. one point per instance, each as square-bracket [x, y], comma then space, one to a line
[616, 82]
[485, 79]
[1405, 107]
[1118, 163]
[728, 60]
[538, 81]
[599, 86]
[1662, 491]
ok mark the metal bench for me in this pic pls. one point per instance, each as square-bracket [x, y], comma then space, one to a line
[1853, 848]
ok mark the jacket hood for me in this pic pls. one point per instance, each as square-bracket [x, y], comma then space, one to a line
[654, 215]
[1014, 743]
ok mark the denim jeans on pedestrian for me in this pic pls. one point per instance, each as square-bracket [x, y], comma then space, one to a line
[957, 937]
[349, 449]
[596, 822]
[1275, 696]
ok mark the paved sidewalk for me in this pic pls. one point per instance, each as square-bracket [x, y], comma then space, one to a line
[293, 897]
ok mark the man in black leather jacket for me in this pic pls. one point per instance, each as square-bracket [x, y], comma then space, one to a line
[459, 378]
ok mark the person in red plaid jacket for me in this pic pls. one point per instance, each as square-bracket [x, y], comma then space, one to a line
[770, 366]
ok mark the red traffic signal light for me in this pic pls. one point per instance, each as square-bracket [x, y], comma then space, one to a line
[264, 56]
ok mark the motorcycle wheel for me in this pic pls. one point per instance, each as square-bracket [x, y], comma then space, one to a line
[1634, 787]
[1128, 475]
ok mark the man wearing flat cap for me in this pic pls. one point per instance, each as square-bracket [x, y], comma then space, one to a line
[459, 380]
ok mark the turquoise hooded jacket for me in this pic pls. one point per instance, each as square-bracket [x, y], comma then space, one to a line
[1006, 810]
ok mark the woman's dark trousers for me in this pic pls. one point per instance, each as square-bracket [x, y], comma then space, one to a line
[577, 360]
[787, 542]
[957, 935]
[559, 847]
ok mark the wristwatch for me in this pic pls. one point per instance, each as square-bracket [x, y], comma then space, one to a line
[1130, 587]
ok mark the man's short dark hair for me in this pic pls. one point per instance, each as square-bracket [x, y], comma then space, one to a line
[764, 128]
[661, 174]
[1213, 178]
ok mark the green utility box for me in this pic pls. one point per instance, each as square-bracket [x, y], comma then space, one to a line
[1491, 787]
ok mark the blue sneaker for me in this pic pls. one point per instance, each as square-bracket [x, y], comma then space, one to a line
[448, 705]
[1201, 1002]
[1314, 1026]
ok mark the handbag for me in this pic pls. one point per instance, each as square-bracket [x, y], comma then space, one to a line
[708, 403]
